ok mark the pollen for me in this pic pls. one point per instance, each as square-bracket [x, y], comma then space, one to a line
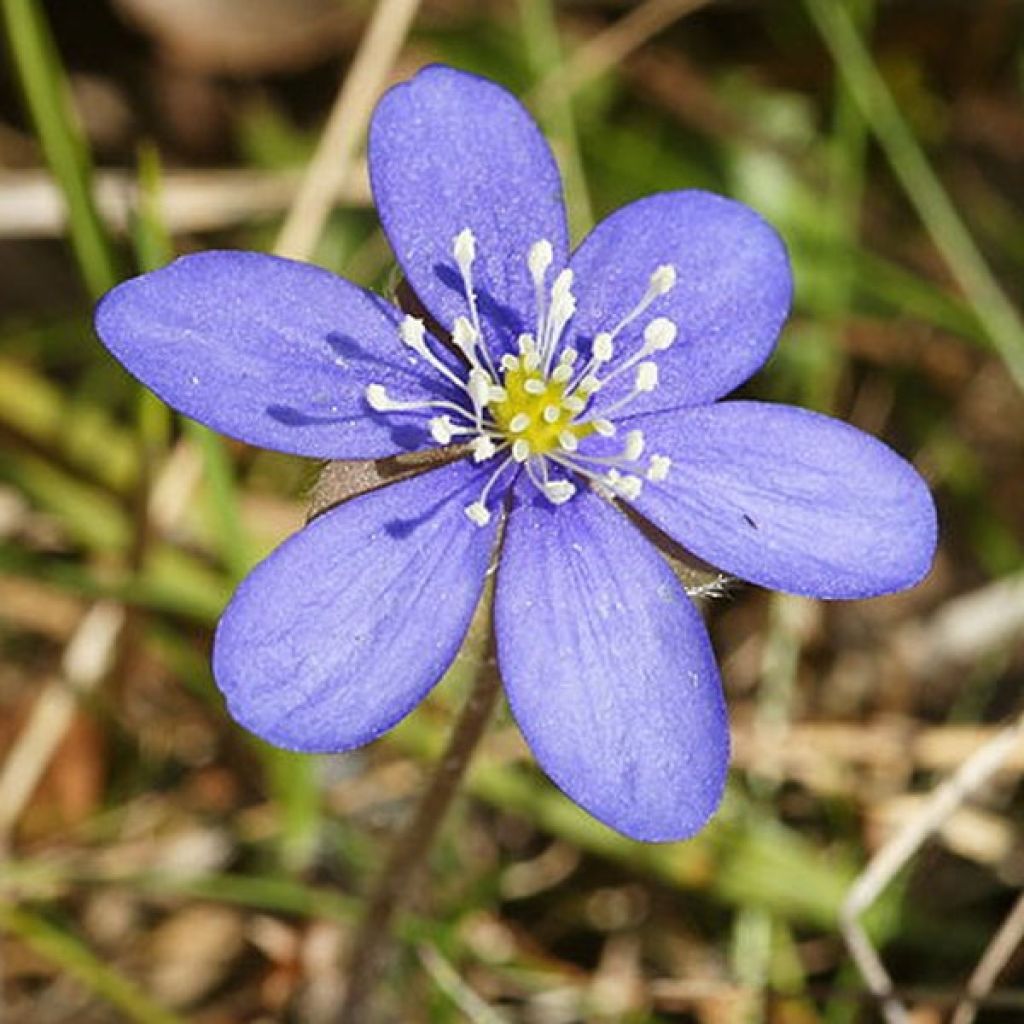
[537, 410]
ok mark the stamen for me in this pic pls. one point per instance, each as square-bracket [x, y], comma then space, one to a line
[413, 333]
[520, 450]
[659, 334]
[558, 492]
[519, 423]
[483, 448]
[441, 429]
[661, 282]
[658, 468]
[477, 511]
[539, 260]
[535, 386]
[646, 377]
[551, 414]
[379, 400]
[634, 447]
[568, 440]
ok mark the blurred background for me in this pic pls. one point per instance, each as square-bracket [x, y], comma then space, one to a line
[159, 865]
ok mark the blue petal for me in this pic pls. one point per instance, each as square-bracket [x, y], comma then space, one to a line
[731, 296]
[345, 628]
[270, 351]
[790, 499]
[608, 669]
[447, 151]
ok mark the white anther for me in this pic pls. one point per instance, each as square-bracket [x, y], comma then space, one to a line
[413, 333]
[663, 279]
[604, 348]
[477, 513]
[559, 492]
[464, 249]
[568, 441]
[562, 373]
[526, 343]
[441, 429]
[519, 423]
[539, 259]
[479, 387]
[377, 396]
[551, 413]
[573, 404]
[531, 361]
[464, 335]
[535, 386]
[509, 363]
[659, 467]
[634, 446]
[589, 384]
[483, 448]
[646, 377]
[659, 334]
[562, 288]
[521, 450]
[568, 356]
[629, 486]
[604, 427]
[496, 393]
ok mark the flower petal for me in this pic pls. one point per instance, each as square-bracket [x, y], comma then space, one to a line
[790, 499]
[731, 296]
[345, 628]
[271, 351]
[449, 151]
[608, 669]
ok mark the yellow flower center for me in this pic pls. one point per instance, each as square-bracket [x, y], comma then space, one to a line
[537, 410]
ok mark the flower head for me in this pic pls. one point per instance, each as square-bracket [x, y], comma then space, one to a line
[566, 387]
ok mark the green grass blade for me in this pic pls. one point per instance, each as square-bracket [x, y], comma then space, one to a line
[63, 949]
[923, 188]
[41, 76]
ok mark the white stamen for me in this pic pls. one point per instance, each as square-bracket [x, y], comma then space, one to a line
[413, 333]
[531, 361]
[477, 513]
[568, 441]
[589, 384]
[629, 486]
[604, 348]
[535, 386]
[377, 396]
[519, 423]
[568, 356]
[465, 337]
[509, 363]
[659, 467]
[634, 447]
[479, 387]
[526, 343]
[551, 413]
[562, 373]
[441, 429]
[483, 448]
[573, 404]
[496, 393]
[464, 249]
[659, 334]
[646, 377]
[663, 280]
[559, 491]
[604, 427]
[539, 259]
[520, 450]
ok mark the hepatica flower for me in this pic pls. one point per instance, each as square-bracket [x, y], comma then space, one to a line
[568, 388]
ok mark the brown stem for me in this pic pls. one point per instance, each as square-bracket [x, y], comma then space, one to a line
[372, 939]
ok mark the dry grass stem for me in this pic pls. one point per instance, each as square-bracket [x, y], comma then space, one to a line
[332, 164]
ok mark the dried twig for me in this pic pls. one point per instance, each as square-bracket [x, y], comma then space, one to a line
[895, 854]
[331, 167]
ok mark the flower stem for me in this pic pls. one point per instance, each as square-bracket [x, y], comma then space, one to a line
[372, 939]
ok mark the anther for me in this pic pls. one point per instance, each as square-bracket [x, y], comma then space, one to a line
[413, 333]
[604, 427]
[464, 336]
[464, 249]
[483, 448]
[634, 447]
[535, 386]
[659, 334]
[479, 387]
[551, 414]
[377, 396]
[562, 373]
[658, 468]
[604, 348]
[568, 441]
[509, 363]
[539, 259]
[518, 423]
[663, 280]
[520, 450]
[477, 513]
[559, 491]
[646, 377]
[441, 429]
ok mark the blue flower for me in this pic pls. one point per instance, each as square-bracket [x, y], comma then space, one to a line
[565, 386]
